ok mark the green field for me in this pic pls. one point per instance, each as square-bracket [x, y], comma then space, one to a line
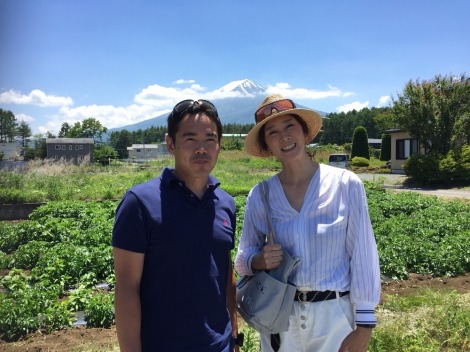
[51, 264]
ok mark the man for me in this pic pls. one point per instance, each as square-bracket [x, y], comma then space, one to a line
[172, 237]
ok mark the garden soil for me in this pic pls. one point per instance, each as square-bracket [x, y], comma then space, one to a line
[105, 339]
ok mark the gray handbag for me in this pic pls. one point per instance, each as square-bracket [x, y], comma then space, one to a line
[266, 299]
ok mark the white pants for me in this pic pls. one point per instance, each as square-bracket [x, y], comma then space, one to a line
[315, 327]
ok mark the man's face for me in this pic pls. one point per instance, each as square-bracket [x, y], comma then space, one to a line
[196, 146]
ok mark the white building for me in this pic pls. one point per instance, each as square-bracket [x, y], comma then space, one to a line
[11, 151]
[143, 152]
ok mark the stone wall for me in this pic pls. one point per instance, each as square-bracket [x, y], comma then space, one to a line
[17, 211]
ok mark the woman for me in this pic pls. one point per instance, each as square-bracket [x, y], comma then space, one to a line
[320, 214]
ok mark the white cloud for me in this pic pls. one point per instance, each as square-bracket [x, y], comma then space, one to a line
[357, 105]
[23, 117]
[302, 93]
[184, 81]
[35, 97]
[109, 116]
[384, 101]
[159, 96]
[152, 101]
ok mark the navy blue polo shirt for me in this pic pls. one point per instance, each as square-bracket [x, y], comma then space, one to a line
[186, 242]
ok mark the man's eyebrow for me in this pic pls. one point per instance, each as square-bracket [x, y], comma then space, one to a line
[189, 134]
[211, 134]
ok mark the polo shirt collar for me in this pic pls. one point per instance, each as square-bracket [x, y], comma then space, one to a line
[169, 179]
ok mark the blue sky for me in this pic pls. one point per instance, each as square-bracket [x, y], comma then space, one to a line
[123, 61]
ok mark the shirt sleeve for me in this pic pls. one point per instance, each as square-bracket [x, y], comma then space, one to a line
[362, 248]
[129, 232]
[253, 232]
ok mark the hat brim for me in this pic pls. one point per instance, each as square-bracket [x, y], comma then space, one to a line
[310, 117]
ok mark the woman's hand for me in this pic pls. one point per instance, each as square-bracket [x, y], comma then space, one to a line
[357, 341]
[269, 258]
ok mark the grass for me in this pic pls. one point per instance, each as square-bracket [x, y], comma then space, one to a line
[43, 181]
[427, 321]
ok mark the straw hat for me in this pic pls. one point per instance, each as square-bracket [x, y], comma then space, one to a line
[312, 119]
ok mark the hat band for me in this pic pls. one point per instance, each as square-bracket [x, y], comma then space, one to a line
[267, 110]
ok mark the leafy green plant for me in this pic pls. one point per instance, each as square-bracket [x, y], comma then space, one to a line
[100, 310]
[27, 307]
[27, 255]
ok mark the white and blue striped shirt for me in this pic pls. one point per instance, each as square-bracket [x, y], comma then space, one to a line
[332, 235]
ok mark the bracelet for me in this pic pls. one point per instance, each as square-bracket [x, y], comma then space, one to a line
[368, 326]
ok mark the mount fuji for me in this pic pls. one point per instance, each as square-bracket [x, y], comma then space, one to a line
[244, 97]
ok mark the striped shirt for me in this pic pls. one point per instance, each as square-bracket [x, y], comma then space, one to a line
[332, 235]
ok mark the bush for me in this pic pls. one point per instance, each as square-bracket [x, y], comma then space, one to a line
[386, 147]
[422, 168]
[360, 162]
[360, 143]
[433, 167]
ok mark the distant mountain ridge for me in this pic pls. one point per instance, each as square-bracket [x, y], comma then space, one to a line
[239, 109]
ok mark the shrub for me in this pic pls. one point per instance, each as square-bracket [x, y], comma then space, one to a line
[360, 144]
[386, 147]
[360, 162]
[422, 168]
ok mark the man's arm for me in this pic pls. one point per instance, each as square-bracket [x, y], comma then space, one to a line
[231, 297]
[128, 268]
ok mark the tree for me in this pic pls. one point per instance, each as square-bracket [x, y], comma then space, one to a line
[102, 153]
[120, 140]
[360, 144]
[338, 128]
[23, 131]
[386, 147]
[433, 111]
[88, 128]
[40, 147]
[8, 126]
[64, 130]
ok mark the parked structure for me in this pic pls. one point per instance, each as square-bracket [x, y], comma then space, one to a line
[144, 152]
[76, 150]
[11, 151]
[403, 146]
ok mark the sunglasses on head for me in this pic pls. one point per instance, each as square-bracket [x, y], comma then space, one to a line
[267, 110]
[183, 106]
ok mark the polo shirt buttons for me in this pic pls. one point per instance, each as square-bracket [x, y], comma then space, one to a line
[303, 326]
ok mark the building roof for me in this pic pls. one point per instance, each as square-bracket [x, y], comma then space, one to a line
[395, 130]
[143, 146]
[70, 140]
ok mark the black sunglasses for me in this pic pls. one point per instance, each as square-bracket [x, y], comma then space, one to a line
[183, 106]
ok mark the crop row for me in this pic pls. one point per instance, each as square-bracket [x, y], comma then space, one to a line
[59, 262]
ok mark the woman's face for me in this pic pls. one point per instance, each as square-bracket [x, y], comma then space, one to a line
[285, 137]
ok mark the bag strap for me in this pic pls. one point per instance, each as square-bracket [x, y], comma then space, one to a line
[265, 197]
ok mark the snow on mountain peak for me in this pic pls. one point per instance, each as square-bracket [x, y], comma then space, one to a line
[245, 87]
